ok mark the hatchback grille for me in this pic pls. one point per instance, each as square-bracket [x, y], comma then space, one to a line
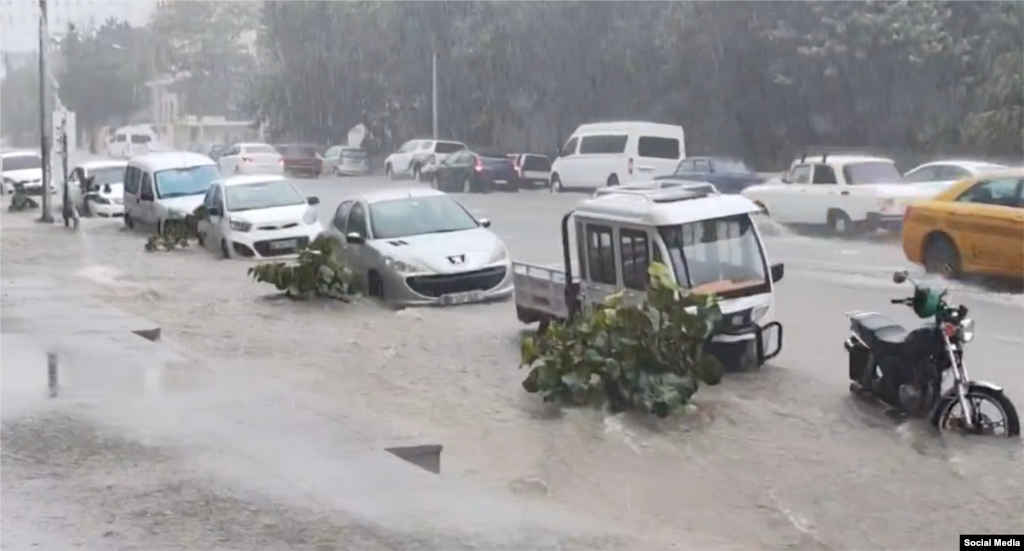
[447, 284]
[278, 226]
[263, 247]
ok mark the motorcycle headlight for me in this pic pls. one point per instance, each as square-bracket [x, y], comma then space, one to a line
[967, 330]
[403, 266]
[500, 253]
[240, 225]
[310, 217]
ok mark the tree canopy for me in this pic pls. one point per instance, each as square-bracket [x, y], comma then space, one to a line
[757, 79]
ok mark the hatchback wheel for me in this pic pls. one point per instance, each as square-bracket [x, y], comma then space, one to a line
[556, 184]
[941, 257]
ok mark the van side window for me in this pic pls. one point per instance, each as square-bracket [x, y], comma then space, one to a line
[658, 148]
[131, 180]
[603, 144]
[569, 148]
[146, 186]
[140, 138]
[601, 255]
[635, 258]
[119, 138]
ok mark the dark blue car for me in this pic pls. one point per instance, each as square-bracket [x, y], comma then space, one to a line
[727, 174]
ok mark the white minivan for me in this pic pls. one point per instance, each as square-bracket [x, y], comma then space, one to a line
[129, 141]
[165, 186]
[613, 153]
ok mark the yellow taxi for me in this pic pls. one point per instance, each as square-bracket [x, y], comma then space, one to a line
[976, 227]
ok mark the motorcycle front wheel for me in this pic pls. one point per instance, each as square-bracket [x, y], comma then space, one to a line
[951, 419]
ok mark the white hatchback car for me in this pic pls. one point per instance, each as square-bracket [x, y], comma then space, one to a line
[250, 158]
[261, 216]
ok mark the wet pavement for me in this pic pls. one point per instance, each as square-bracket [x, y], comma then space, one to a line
[782, 458]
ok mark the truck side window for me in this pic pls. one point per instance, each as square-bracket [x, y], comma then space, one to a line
[581, 254]
[601, 255]
[635, 258]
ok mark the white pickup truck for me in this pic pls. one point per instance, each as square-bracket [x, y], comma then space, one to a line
[845, 193]
[707, 240]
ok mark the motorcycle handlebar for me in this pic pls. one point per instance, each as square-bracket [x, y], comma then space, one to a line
[899, 300]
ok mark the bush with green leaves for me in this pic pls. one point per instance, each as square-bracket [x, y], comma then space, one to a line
[648, 356]
[317, 274]
[175, 234]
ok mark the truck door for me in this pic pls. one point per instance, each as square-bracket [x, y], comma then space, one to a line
[601, 254]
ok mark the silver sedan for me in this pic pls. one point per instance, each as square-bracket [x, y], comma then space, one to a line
[420, 247]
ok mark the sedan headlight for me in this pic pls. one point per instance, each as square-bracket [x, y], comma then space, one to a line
[403, 266]
[967, 330]
[310, 217]
[500, 253]
[240, 225]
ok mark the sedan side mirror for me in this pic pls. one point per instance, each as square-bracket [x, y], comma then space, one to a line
[778, 270]
[313, 200]
[354, 238]
[485, 222]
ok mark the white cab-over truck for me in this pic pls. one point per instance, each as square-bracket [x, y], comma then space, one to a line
[845, 193]
[707, 240]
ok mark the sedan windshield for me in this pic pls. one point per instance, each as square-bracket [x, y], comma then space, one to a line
[721, 256]
[873, 172]
[193, 180]
[262, 195]
[418, 216]
[21, 162]
[109, 175]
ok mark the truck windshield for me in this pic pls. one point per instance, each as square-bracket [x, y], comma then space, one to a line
[721, 256]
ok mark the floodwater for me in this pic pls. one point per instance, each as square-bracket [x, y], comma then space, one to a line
[779, 459]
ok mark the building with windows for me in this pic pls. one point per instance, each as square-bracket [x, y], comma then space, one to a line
[19, 19]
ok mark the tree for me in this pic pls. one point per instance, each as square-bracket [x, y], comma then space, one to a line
[757, 79]
[103, 74]
[206, 45]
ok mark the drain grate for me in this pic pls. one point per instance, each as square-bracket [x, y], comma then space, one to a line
[426, 457]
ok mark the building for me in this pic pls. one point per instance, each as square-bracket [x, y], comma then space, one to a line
[19, 19]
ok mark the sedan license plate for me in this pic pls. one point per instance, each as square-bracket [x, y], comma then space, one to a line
[462, 298]
[287, 244]
[501, 182]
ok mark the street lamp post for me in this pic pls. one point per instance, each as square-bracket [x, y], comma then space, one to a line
[45, 112]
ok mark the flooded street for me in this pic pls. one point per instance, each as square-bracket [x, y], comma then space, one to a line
[779, 459]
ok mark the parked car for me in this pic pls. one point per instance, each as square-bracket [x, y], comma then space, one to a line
[301, 159]
[729, 175]
[216, 150]
[346, 161]
[976, 226]
[100, 184]
[533, 170]
[613, 153]
[470, 172]
[414, 154]
[939, 175]
[845, 193]
[162, 187]
[258, 216]
[23, 168]
[250, 158]
[420, 246]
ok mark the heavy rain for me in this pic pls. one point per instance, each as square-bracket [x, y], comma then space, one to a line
[161, 391]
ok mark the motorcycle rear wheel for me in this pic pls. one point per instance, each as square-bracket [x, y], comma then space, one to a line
[947, 421]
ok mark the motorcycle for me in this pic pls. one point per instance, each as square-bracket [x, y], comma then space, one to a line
[906, 369]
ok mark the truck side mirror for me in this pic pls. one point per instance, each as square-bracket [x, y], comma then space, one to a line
[778, 270]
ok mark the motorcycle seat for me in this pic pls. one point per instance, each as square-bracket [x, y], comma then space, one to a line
[878, 330]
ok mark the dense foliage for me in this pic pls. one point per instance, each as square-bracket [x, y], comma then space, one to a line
[758, 79]
[317, 273]
[175, 234]
[647, 357]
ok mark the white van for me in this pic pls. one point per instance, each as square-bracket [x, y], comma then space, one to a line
[613, 153]
[128, 141]
[165, 186]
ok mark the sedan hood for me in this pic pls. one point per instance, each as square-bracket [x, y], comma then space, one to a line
[186, 204]
[443, 252]
[274, 216]
[26, 175]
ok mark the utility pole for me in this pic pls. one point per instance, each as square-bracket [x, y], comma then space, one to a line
[45, 111]
[433, 89]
